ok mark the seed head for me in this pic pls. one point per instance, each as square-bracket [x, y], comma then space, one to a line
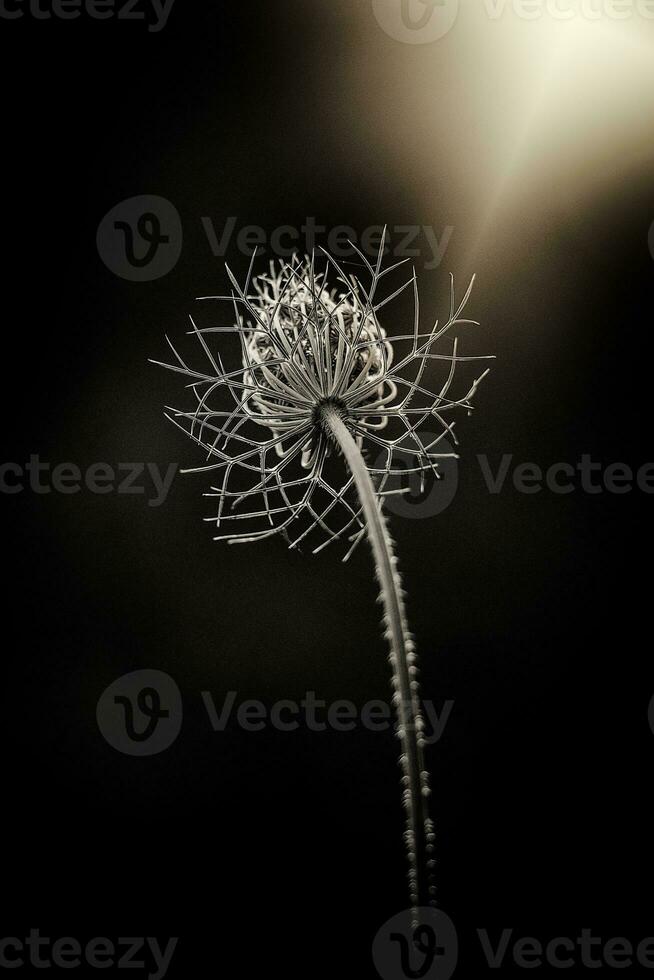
[307, 345]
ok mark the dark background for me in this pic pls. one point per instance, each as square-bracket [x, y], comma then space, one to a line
[282, 852]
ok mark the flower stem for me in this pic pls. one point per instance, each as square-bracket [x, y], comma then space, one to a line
[419, 833]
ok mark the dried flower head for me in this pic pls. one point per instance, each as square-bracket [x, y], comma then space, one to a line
[306, 345]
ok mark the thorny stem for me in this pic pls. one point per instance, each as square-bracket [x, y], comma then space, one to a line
[419, 834]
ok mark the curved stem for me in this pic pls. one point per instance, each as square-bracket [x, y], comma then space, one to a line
[419, 832]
